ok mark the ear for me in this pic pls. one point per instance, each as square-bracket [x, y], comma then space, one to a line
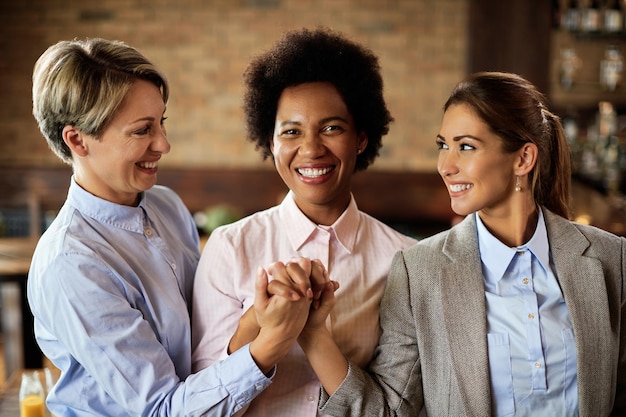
[361, 142]
[527, 159]
[272, 145]
[75, 140]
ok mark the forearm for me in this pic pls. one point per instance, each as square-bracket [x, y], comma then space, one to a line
[328, 362]
[247, 330]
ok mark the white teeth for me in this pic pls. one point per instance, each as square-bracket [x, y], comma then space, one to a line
[148, 165]
[459, 187]
[313, 172]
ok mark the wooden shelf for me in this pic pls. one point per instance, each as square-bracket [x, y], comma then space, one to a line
[586, 91]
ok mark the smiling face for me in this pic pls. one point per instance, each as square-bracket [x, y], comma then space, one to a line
[315, 147]
[123, 161]
[478, 174]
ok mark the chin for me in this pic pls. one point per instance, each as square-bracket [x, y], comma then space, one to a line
[461, 211]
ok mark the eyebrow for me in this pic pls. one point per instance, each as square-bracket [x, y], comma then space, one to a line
[323, 121]
[289, 122]
[458, 138]
[142, 119]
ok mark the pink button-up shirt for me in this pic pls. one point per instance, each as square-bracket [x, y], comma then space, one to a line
[356, 250]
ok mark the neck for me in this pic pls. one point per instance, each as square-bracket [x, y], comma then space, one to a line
[514, 228]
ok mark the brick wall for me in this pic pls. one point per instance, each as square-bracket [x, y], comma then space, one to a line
[203, 47]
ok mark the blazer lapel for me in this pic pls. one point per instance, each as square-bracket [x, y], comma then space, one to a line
[465, 317]
[585, 293]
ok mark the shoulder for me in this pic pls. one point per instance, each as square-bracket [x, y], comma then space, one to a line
[460, 241]
[165, 202]
[566, 233]
[431, 244]
[162, 195]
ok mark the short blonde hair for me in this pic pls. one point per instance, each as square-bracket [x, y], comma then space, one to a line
[82, 83]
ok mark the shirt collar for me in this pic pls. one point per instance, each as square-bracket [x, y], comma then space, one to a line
[300, 228]
[496, 256]
[104, 211]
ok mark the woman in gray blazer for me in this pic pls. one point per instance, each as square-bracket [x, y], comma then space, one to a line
[514, 311]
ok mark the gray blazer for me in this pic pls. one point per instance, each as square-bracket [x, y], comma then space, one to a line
[432, 353]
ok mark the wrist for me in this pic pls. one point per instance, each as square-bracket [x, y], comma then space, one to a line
[268, 348]
[311, 336]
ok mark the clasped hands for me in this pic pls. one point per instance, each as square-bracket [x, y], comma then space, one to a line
[296, 300]
[300, 293]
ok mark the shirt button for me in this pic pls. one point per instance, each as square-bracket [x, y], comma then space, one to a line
[525, 281]
[537, 364]
[173, 265]
[148, 232]
[311, 399]
[531, 316]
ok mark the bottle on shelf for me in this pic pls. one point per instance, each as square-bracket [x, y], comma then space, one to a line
[573, 136]
[611, 68]
[590, 17]
[607, 149]
[570, 17]
[569, 66]
[613, 21]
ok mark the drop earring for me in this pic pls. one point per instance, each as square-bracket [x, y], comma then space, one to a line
[518, 187]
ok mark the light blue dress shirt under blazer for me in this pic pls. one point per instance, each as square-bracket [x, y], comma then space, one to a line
[532, 352]
[110, 287]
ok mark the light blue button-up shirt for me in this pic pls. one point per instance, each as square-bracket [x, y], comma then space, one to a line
[110, 287]
[532, 351]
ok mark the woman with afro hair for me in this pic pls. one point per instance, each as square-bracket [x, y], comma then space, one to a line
[314, 104]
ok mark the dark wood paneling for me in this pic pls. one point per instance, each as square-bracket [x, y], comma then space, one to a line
[511, 36]
[390, 196]
[416, 202]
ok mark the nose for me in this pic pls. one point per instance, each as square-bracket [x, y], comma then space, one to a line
[447, 163]
[160, 143]
[312, 145]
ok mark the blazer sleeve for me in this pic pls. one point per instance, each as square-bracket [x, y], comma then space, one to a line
[391, 386]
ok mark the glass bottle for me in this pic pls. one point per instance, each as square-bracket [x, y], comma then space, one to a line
[570, 19]
[590, 18]
[32, 401]
[611, 68]
[613, 17]
[570, 63]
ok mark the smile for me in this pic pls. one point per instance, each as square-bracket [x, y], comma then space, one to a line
[313, 172]
[455, 188]
[148, 165]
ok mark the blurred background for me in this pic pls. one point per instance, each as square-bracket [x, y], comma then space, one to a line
[572, 50]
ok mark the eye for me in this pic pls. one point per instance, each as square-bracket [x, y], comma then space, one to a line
[441, 145]
[289, 132]
[142, 132]
[333, 130]
[466, 147]
[163, 119]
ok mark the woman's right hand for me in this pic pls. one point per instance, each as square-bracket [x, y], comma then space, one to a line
[280, 318]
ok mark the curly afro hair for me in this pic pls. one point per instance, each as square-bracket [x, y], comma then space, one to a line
[304, 56]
